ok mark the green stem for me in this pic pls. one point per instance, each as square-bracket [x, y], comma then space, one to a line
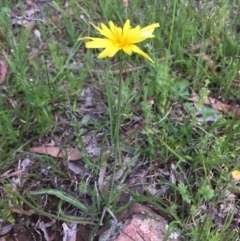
[117, 131]
[118, 119]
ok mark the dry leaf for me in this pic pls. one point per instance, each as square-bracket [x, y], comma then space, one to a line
[150, 101]
[30, 24]
[3, 69]
[42, 226]
[71, 153]
[218, 105]
[102, 176]
[5, 229]
[33, 55]
[69, 232]
[22, 212]
[76, 167]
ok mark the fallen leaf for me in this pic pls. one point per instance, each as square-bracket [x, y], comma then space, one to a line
[71, 153]
[30, 24]
[150, 101]
[76, 168]
[102, 176]
[41, 225]
[3, 69]
[22, 212]
[5, 229]
[33, 55]
[218, 105]
[69, 232]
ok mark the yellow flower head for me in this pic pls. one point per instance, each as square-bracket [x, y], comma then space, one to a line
[120, 39]
[236, 175]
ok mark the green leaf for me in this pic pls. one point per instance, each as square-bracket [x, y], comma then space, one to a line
[207, 192]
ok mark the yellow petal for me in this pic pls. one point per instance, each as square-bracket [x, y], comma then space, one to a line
[113, 51]
[137, 50]
[134, 36]
[110, 51]
[126, 28]
[112, 26]
[115, 30]
[128, 49]
[97, 43]
[138, 35]
[84, 38]
[147, 31]
[107, 32]
[98, 29]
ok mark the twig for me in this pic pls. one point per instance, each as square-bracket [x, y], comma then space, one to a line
[47, 2]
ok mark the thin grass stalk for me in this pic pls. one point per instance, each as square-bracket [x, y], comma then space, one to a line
[110, 103]
[172, 25]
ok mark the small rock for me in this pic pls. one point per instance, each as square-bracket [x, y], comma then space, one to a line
[139, 227]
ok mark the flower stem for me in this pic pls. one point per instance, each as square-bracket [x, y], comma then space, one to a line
[118, 117]
[118, 157]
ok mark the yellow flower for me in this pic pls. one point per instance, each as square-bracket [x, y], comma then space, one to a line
[121, 39]
[236, 175]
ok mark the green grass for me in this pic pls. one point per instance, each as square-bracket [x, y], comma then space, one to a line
[42, 101]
